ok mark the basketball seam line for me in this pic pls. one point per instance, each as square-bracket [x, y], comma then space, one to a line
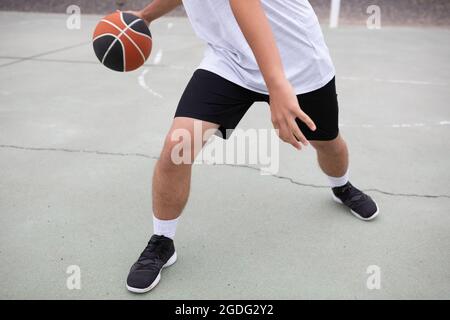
[128, 37]
[142, 34]
[103, 35]
[137, 32]
[112, 35]
[118, 39]
[114, 42]
[110, 47]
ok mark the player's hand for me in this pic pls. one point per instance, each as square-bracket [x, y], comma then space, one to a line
[285, 109]
[140, 15]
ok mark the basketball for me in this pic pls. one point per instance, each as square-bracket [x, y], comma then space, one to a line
[122, 41]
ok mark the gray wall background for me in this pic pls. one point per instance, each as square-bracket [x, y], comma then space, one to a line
[394, 12]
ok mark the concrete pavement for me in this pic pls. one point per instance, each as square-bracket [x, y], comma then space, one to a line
[78, 144]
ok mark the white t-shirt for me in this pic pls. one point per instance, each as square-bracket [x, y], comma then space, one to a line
[305, 56]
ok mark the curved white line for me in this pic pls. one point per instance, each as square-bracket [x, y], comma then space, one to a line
[124, 55]
[122, 32]
[112, 24]
[142, 34]
[118, 37]
[143, 84]
[103, 35]
[136, 46]
[137, 32]
[131, 40]
[109, 49]
[158, 57]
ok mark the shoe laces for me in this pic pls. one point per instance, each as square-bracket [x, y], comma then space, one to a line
[152, 253]
[354, 195]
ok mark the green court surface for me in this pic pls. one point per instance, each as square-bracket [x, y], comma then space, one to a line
[78, 144]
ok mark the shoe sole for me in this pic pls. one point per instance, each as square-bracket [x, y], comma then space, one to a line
[336, 199]
[169, 262]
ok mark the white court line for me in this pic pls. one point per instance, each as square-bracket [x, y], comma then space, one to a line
[397, 125]
[397, 81]
[158, 57]
[426, 83]
[143, 84]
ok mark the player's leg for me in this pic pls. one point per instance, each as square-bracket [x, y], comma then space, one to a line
[332, 153]
[333, 160]
[172, 175]
[170, 191]
[209, 104]
[332, 156]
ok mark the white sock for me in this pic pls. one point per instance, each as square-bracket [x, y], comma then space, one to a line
[165, 228]
[339, 181]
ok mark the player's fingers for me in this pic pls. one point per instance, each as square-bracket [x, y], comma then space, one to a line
[299, 136]
[294, 142]
[287, 136]
[306, 119]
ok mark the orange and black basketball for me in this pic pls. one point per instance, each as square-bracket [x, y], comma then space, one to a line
[122, 41]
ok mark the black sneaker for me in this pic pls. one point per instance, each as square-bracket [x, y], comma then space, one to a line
[146, 272]
[361, 205]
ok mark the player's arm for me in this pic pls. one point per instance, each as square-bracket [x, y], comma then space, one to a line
[284, 105]
[157, 9]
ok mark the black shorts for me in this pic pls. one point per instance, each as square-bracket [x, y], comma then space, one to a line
[211, 98]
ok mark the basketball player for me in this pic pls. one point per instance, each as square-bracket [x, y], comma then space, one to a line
[257, 50]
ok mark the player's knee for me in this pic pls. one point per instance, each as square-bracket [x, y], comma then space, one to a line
[335, 145]
[176, 153]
